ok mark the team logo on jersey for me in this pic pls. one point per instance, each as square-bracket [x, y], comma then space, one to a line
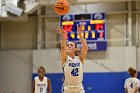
[74, 64]
[41, 85]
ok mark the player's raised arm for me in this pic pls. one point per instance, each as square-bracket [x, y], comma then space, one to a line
[84, 49]
[63, 44]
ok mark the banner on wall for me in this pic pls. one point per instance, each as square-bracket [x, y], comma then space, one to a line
[94, 29]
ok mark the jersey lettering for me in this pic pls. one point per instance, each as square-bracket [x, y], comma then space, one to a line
[74, 64]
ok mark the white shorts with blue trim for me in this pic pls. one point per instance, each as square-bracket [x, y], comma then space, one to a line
[73, 89]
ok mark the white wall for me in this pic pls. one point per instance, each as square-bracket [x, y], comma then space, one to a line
[0, 8]
[15, 71]
[0, 35]
[16, 65]
[97, 7]
[116, 29]
[139, 28]
[138, 49]
[49, 58]
[116, 59]
[51, 39]
[19, 35]
[138, 59]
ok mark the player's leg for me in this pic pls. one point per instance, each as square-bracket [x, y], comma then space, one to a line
[65, 89]
[62, 89]
[80, 89]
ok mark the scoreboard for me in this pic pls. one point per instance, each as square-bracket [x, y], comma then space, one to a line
[94, 29]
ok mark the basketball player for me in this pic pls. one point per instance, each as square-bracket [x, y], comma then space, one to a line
[41, 84]
[132, 84]
[71, 63]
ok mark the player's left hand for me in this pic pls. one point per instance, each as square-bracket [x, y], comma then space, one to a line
[79, 28]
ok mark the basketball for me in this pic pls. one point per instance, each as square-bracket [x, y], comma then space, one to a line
[61, 7]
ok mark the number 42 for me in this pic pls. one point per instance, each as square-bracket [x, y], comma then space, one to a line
[74, 72]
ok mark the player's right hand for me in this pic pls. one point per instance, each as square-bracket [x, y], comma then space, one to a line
[61, 31]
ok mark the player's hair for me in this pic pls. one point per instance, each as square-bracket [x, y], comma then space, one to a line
[76, 52]
[41, 67]
[72, 42]
[132, 71]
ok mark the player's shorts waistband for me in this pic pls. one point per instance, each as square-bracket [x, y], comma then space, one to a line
[73, 86]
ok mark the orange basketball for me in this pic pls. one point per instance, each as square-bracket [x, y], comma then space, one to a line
[61, 7]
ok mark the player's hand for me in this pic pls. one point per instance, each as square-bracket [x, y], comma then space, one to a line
[79, 28]
[60, 31]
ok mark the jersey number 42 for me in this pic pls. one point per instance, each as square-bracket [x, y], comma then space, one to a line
[74, 72]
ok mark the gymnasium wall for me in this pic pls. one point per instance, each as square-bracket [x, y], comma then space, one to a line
[138, 59]
[105, 72]
[138, 50]
[16, 68]
[24, 33]
[101, 75]
[15, 71]
[51, 38]
[98, 7]
[0, 34]
[19, 35]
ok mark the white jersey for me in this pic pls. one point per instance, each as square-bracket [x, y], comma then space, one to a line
[73, 71]
[41, 86]
[131, 84]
